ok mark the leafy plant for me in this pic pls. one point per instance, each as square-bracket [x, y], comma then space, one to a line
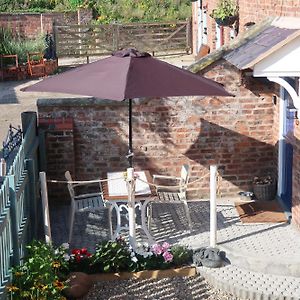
[181, 255]
[41, 275]
[10, 44]
[112, 256]
[225, 9]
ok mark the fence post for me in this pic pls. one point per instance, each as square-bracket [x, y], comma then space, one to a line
[55, 37]
[14, 222]
[44, 193]
[2, 167]
[213, 206]
[27, 117]
[189, 35]
[30, 167]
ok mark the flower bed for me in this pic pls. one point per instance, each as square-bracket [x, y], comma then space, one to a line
[49, 273]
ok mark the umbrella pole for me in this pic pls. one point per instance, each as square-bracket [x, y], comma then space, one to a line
[130, 153]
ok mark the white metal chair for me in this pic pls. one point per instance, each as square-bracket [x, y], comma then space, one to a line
[83, 202]
[172, 194]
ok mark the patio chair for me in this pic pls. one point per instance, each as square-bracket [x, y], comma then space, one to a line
[9, 66]
[172, 194]
[36, 64]
[85, 202]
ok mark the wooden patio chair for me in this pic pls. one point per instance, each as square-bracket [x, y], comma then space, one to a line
[172, 194]
[85, 202]
[36, 64]
[9, 66]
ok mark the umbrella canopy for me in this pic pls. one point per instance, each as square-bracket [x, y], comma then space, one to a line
[129, 74]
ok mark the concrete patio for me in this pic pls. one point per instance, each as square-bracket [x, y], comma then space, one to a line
[264, 258]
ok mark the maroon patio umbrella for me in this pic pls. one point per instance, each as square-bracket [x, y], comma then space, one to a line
[129, 74]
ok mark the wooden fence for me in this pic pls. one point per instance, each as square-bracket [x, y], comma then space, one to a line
[19, 195]
[97, 40]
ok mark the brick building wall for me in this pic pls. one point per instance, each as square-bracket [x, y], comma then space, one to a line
[233, 132]
[249, 11]
[30, 25]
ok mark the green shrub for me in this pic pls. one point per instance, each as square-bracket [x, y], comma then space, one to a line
[10, 44]
[125, 11]
[41, 275]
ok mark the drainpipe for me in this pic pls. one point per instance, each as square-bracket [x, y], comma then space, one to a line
[282, 117]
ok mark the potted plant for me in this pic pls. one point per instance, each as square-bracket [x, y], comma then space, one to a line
[264, 188]
[226, 12]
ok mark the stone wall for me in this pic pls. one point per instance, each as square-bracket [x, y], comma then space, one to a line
[30, 25]
[234, 132]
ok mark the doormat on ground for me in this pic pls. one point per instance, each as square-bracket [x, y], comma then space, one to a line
[260, 212]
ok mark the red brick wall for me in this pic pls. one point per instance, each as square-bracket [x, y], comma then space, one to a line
[29, 25]
[249, 11]
[59, 137]
[234, 132]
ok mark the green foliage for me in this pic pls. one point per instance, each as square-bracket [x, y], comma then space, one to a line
[124, 11]
[112, 256]
[40, 275]
[15, 45]
[225, 8]
[39, 5]
[107, 11]
[181, 255]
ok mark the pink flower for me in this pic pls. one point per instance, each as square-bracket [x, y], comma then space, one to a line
[157, 249]
[165, 246]
[167, 256]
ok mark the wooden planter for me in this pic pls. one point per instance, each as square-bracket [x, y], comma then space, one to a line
[147, 274]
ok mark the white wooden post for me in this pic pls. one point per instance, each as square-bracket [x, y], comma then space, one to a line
[131, 207]
[2, 167]
[213, 206]
[44, 194]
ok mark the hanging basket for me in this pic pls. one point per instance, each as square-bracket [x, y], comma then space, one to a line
[265, 192]
[227, 21]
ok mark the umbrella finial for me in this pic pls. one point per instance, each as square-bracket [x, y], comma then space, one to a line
[130, 52]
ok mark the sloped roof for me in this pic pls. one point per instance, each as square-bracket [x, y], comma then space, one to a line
[257, 43]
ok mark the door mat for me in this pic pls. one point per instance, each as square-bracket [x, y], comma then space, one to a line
[260, 212]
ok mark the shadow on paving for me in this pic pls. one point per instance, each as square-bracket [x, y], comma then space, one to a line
[168, 224]
[8, 93]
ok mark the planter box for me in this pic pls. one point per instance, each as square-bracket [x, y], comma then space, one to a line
[147, 274]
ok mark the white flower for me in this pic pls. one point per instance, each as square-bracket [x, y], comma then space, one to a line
[65, 246]
[56, 251]
[66, 257]
[134, 259]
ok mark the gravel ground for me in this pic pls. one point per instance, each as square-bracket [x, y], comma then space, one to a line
[177, 288]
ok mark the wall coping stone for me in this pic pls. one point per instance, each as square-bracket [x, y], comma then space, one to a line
[69, 102]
